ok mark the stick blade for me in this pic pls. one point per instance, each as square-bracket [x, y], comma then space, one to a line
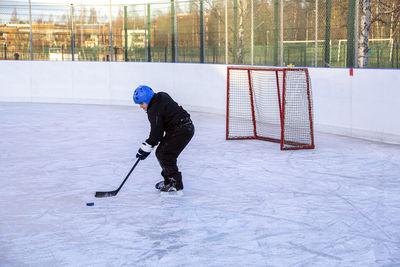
[106, 194]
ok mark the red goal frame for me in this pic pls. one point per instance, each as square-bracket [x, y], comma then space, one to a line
[281, 93]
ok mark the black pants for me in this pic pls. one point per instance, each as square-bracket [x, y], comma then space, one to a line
[171, 145]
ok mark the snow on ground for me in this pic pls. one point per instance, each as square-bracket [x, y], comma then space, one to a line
[245, 203]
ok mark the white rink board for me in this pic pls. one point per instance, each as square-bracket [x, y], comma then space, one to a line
[364, 105]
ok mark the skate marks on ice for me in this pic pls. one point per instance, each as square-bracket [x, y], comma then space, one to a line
[337, 202]
[245, 203]
[356, 188]
[197, 235]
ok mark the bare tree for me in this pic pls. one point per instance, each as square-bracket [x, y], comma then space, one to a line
[243, 7]
[14, 17]
[93, 16]
[364, 33]
[377, 11]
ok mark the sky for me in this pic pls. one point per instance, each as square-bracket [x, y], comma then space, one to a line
[94, 2]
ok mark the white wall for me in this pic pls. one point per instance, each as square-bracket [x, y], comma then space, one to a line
[365, 105]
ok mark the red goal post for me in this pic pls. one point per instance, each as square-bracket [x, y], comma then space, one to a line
[273, 104]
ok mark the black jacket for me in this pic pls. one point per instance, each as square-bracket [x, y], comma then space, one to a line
[164, 114]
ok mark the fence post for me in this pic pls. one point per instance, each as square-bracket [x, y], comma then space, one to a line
[252, 32]
[111, 39]
[356, 32]
[328, 33]
[281, 31]
[316, 35]
[235, 10]
[145, 31]
[30, 29]
[201, 32]
[173, 31]
[226, 33]
[148, 34]
[72, 33]
[350, 34]
[126, 32]
[276, 27]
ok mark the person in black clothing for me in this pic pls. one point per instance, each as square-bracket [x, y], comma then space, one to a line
[171, 129]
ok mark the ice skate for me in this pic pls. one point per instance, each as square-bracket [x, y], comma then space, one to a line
[172, 188]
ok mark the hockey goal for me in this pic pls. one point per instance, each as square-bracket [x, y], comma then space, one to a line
[273, 104]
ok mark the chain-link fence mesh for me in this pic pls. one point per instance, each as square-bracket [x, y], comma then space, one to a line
[324, 33]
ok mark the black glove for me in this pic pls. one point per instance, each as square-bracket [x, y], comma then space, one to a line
[144, 150]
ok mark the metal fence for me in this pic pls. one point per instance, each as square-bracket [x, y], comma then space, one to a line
[324, 33]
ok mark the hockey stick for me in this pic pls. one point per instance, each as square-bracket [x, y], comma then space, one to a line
[115, 192]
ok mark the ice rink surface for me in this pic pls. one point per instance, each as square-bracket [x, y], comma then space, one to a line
[245, 203]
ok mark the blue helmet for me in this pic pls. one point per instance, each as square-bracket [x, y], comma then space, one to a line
[143, 94]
